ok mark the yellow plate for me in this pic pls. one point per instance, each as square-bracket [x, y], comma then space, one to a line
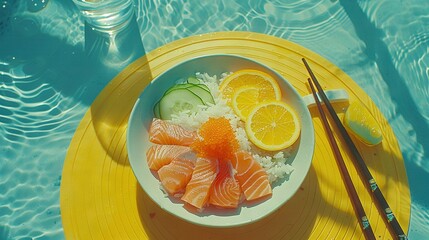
[101, 199]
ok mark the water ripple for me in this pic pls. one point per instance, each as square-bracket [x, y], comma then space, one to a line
[306, 22]
[38, 116]
[42, 99]
[54, 18]
[419, 218]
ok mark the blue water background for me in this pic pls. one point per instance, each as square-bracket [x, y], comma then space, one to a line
[49, 77]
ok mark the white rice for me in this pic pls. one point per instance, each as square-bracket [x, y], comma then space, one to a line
[275, 163]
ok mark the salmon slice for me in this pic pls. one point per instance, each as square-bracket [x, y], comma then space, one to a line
[175, 176]
[226, 190]
[253, 179]
[160, 155]
[198, 189]
[162, 132]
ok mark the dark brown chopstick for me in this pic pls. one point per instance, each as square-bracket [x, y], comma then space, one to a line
[357, 205]
[369, 181]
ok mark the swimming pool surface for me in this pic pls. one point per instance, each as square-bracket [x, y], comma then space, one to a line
[52, 67]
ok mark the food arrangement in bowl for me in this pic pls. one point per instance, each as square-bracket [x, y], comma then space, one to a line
[220, 140]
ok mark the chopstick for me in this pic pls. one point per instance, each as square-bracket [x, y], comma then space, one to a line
[370, 183]
[357, 205]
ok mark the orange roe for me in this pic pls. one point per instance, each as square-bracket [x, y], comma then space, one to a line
[217, 140]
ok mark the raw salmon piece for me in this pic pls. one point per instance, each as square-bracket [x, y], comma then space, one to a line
[175, 176]
[160, 155]
[162, 132]
[252, 177]
[198, 189]
[226, 190]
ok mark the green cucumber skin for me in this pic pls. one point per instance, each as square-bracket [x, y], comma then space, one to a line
[178, 86]
[156, 110]
[177, 100]
[202, 93]
[201, 85]
[197, 93]
[193, 80]
[186, 85]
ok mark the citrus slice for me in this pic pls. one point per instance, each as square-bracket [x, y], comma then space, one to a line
[245, 99]
[359, 121]
[267, 85]
[273, 126]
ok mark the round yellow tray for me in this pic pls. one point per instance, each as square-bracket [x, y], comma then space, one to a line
[101, 199]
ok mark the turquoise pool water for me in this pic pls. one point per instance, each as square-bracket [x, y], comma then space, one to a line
[52, 67]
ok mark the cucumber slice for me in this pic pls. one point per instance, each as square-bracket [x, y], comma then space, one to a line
[156, 110]
[178, 100]
[178, 86]
[193, 80]
[203, 86]
[202, 93]
[186, 85]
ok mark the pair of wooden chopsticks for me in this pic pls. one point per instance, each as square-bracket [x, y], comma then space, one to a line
[369, 181]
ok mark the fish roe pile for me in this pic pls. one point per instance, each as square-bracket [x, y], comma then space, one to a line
[217, 140]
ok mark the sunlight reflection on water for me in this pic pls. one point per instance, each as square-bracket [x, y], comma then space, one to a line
[50, 72]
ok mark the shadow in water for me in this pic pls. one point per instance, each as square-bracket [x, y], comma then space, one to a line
[294, 220]
[377, 51]
[79, 64]
[48, 51]
[111, 109]
[44, 49]
[112, 54]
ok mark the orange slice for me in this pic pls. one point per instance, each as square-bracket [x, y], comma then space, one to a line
[245, 99]
[273, 126]
[267, 85]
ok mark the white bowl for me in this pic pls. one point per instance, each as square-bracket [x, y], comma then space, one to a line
[138, 143]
